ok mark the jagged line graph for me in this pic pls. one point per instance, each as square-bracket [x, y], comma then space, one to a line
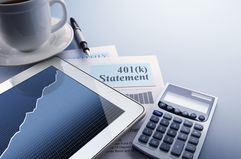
[18, 100]
[29, 113]
[30, 140]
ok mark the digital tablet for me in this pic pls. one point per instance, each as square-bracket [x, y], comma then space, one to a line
[55, 110]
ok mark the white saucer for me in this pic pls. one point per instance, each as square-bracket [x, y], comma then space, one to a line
[57, 42]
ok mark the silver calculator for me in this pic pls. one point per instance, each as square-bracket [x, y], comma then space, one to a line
[177, 125]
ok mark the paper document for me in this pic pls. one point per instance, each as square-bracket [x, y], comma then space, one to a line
[96, 52]
[131, 75]
[139, 78]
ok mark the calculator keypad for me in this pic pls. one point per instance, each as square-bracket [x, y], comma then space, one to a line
[143, 138]
[182, 137]
[171, 134]
[178, 147]
[191, 148]
[161, 129]
[157, 135]
[185, 130]
[165, 147]
[147, 132]
[187, 155]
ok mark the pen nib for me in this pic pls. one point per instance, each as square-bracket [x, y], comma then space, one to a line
[87, 52]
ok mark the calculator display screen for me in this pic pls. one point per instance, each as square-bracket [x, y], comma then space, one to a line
[186, 102]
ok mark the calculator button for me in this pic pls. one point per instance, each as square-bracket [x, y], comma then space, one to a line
[188, 123]
[187, 155]
[201, 118]
[193, 116]
[167, 116]
[185, 114]
[162, 105]
[165, 147]
[164, 122]
[177, 111]
[169, 108]
[177, 120]
[191, 148]
[154, 119]
[168, 139]
[198, 127]
[154, 143]
[175, 126]
[182, 137]
[185, 130]
[177, 148]
[147, 132]
[157, 113]
[143, 139]
[158, 135]
[196, 133]
[193, 140]
[151, 125]
[161, 129]
[172, 132]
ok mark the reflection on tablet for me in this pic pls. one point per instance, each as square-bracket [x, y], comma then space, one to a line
[51, 115]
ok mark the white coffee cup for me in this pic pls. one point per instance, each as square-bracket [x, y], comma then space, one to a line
[26, 25]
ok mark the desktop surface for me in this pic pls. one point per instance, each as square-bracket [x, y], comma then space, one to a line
[197, 44]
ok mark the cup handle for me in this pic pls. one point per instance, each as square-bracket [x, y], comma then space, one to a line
[63, 20]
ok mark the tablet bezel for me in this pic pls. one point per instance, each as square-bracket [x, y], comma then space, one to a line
[133, 111]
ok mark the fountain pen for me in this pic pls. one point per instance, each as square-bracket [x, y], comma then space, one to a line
[79, 36]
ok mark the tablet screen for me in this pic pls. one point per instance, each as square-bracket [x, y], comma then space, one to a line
[50, 115]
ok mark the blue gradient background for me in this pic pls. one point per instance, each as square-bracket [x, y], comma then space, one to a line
[196, 42]
[66, 117]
